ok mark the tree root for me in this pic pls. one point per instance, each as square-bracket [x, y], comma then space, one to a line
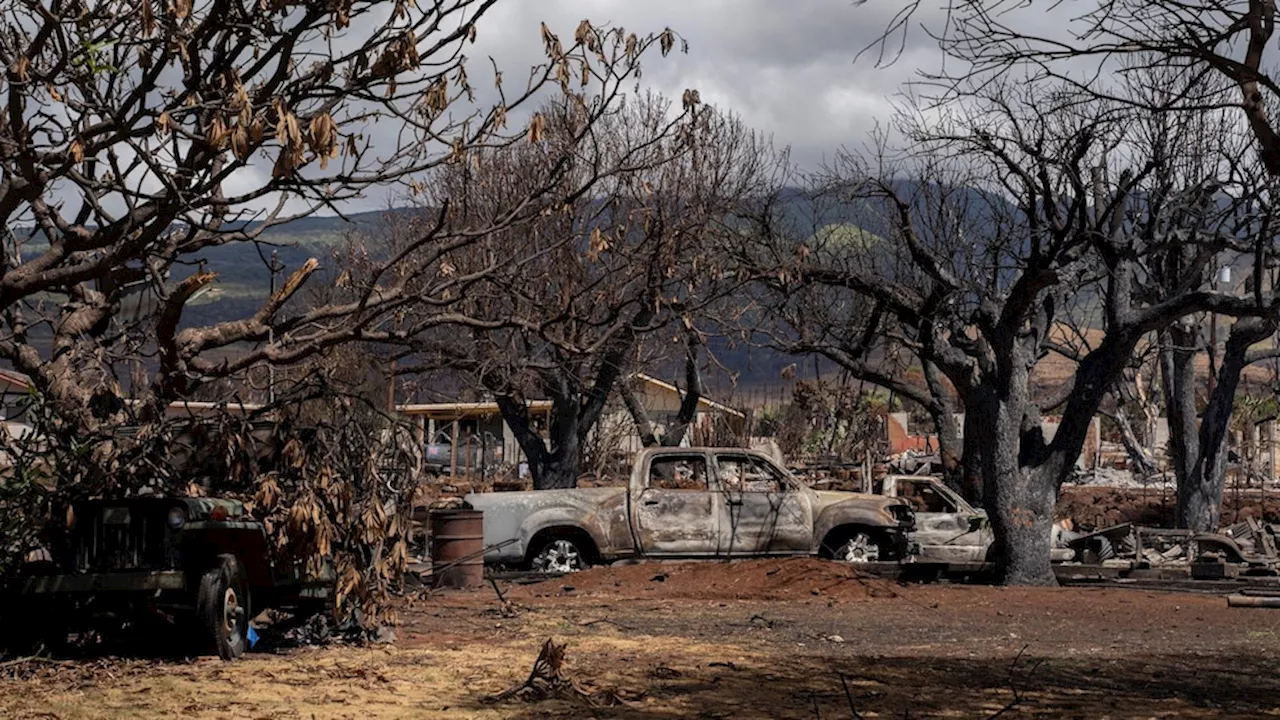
[547, 681]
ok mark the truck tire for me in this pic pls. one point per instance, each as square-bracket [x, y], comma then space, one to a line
[222, 607]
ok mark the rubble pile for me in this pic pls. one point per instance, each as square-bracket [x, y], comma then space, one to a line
[1112, 477]
[1244, 548]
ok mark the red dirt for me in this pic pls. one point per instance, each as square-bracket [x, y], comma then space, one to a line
[772, 638]
[779, 579]
[747, 639]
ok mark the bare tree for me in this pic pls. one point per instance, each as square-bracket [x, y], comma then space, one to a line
[1047, 216]
[1204, 149]
[855, 331]
[137, 137]
[603, 268]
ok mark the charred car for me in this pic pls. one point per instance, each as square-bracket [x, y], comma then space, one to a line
[692, 503]
[201, 564]
[948, 529]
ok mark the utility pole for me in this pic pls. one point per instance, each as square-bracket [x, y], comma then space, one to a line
[275, 267]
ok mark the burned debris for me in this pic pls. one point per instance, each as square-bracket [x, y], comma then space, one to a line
[1244, 549]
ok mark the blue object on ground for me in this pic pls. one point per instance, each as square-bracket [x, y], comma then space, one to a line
[252, 637]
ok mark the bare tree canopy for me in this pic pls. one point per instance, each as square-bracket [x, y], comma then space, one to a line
[1020, 209]
[602, 269]
[136, 137]
[1088, 45]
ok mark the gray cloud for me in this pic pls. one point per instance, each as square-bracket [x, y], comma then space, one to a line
[786, 68]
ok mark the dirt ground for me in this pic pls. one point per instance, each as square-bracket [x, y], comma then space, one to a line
[767, 638]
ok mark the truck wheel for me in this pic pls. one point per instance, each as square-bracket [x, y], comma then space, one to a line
[223, 608]
[559, 555]
[860, 547]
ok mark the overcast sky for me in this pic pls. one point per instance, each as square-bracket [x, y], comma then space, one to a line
[786, 67]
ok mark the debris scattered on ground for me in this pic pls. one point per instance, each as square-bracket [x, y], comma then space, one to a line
[662, 672]
[915, 462]
[1248, 546]
[548, 680]
[283, 632]
[1093, 507]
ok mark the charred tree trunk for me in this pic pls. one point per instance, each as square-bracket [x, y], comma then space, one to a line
[1177, 368]
[1200, 489]
[971, 487]
[639, 415]
[692, 395]
[1019, 497]
[1132, 445]
[560, 470]
[689, 402]
[943, 413]
[554, 465]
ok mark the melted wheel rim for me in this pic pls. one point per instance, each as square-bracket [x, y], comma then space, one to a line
[858, 549]
[560, 556]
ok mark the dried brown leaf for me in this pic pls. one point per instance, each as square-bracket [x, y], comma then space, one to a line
[537, 126]
[691, 99]
[148, 18]
[20, 69]
[666, 41]
[216, 134]
[240, 142]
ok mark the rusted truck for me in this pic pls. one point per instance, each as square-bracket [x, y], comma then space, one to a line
[692, 503]
[200, 565]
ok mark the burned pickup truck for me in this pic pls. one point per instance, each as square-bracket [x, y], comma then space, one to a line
[692, 503]
[201, 564]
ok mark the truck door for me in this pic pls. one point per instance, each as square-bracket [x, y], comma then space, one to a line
[675, 510]
[762, 511]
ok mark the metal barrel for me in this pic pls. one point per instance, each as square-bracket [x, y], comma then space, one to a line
[457, 548]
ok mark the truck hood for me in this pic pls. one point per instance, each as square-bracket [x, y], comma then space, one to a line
[827, 498]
